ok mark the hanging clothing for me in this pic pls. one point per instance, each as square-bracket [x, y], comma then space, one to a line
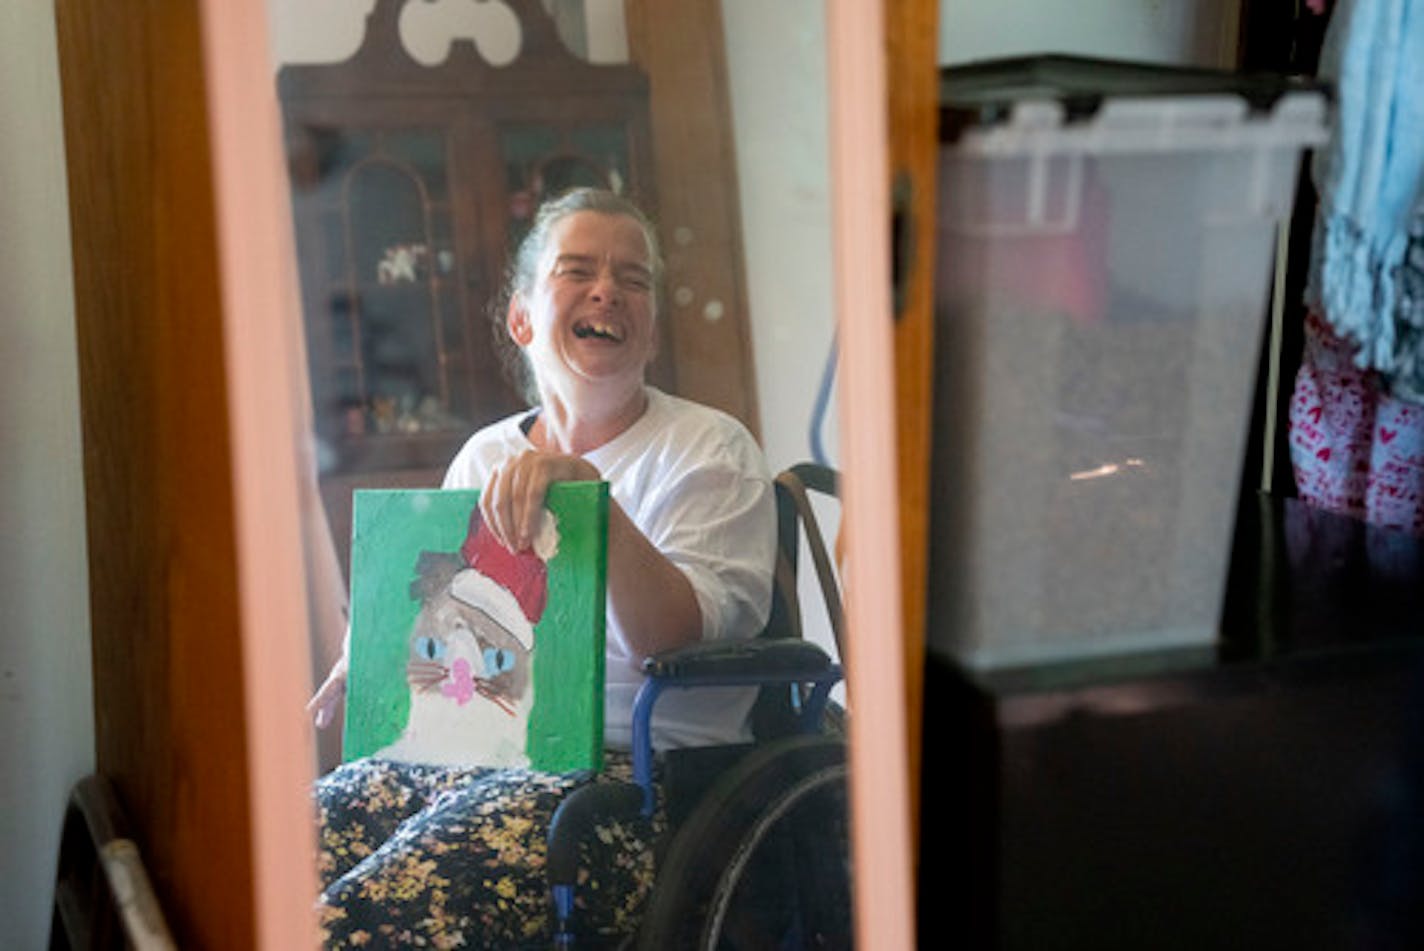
[1357, 413]
[1366, 277]
[1356, 449]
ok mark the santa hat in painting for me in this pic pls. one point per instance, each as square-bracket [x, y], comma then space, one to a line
[511, 587]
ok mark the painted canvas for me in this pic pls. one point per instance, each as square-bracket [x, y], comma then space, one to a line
[464, 653]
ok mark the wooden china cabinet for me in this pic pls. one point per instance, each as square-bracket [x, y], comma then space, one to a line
[411, 186]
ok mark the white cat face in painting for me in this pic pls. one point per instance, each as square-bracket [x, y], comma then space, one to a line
[471, 646]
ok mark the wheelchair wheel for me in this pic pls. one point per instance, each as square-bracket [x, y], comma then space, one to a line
[763, 861]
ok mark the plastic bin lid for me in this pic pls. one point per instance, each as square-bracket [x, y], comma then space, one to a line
[986, 93]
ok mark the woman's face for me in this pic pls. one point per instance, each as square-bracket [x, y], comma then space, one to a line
[590, 316]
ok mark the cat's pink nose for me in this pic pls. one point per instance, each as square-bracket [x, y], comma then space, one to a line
[461, 686]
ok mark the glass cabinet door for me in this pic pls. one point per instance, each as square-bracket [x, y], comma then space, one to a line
[541, 161]
[399, 366]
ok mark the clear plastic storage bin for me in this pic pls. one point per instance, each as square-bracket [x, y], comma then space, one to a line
[1106, 239]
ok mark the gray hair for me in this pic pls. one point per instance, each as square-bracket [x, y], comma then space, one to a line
[523, 271]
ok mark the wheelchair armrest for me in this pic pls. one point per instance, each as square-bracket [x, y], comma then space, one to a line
[775, 659]
[761, 662]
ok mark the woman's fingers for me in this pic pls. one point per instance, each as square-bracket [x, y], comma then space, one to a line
[487, 501]
[504, 500]
[497, 505]
[514, 498]
[523, 478]
[533, 492]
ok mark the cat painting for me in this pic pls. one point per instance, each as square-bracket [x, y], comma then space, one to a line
[473, 655]
[470, 650]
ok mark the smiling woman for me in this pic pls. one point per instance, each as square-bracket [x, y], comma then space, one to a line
[691, 532]
[588, 269]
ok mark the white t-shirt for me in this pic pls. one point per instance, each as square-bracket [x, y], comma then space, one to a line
[696, 484]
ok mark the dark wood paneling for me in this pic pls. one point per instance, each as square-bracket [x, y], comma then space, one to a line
[167, 659]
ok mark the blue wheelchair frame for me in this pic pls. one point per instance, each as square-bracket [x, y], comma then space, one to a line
[760, 663]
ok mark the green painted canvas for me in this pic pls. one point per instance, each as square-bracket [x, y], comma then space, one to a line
[464, 653]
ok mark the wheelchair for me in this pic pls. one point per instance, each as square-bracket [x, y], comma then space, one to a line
[757, 849]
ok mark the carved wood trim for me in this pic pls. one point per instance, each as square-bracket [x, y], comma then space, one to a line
[382, 66]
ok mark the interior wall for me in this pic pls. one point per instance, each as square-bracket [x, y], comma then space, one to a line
[46, 692]
[776, 70]
[1186, 32]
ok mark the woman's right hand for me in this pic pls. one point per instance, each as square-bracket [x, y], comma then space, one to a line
[512, 503]
[328, 697]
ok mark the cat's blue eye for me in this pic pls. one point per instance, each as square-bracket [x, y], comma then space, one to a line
[497, 661]
[429, 648]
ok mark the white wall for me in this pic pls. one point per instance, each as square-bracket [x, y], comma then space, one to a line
[46, 694]
[1195, 32]
[776, 70]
